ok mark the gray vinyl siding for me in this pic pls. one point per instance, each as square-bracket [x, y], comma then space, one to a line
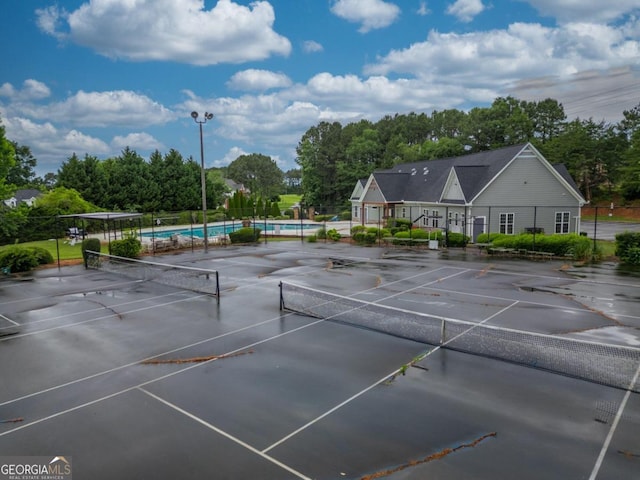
[527, 217]
[526, 181]
[373, 195]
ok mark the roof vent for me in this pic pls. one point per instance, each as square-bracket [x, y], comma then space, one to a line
[413, 171]
[425, 171]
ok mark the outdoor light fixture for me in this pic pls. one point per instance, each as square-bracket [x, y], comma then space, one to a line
[207, 116]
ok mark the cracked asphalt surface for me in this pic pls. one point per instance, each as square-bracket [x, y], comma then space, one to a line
[100, 368]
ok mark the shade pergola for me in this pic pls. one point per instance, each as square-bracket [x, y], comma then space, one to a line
[109, 221]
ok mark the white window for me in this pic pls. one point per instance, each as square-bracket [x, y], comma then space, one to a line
[355, 212]
[404, 212]
[425, 218]
[507, 221]
[434, 220]
[562, 222]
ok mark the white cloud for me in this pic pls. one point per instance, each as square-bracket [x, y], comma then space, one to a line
[167, 30]
[259, 80]
[423, 9]
[100, 109]
[498, 58]
[311, 46]
[230, 156]
[50, 20]
[137, 141]
[50, 144]
[371, 14]
[31, 90]
[585, 10]
[466, 10]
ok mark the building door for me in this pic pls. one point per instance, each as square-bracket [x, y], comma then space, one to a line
[478, 227]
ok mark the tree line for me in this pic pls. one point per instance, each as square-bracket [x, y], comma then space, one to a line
[603, 158]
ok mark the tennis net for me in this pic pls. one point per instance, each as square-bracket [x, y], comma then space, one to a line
[189, 278]
[606, 364]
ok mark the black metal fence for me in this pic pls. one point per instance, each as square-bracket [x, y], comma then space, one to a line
[161, 229]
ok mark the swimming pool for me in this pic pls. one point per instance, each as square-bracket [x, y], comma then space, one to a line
[220, 229]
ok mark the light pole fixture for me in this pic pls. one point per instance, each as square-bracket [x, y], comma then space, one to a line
[207, 116]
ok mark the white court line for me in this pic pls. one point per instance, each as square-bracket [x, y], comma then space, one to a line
[97, 309]
[541, 304]
[68, 325]
[148, 382]
[72, 292]
[226, 435]
[614, 426]
[373, 385]
[210, 339]
[8, 320]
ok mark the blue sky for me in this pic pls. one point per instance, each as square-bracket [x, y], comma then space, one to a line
[95, 76]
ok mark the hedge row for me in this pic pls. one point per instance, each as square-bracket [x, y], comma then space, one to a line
[17, 258]
[245, 235]
[573, 245]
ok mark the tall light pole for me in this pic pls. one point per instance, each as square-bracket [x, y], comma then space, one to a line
[203, 181]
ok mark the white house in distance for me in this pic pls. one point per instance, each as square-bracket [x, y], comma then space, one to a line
[509, 190]
[27, 196]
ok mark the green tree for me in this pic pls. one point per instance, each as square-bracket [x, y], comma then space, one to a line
[64, 201]
[258, 172]
[217, 189]
[548, 118]
[22, 174]
[7, 162]
[630, 170]
[293, 180]
[318, 153]
[362, 156]
[130, 184]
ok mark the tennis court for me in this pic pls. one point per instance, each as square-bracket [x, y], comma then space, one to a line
[132, 378]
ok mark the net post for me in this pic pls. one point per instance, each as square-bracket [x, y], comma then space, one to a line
[443, 331]
[281, 297]
[217, 288]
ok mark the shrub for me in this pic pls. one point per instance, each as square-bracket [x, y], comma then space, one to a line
[416, 233]
[91, 244]
[574, 245]
[401, 224]
[628, 247]
[357, 229]
[334, 235]
[489, 237]
[323, 218]
[345, 215]
[365, 238]
[43, 256]
[321, 234]
[245, 235]
[312, 239]
[128, 247]
[18, 259]
[457, 240]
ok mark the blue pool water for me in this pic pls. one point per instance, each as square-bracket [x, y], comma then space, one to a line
[213, 230]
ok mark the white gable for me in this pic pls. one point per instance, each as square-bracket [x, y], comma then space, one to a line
[357, 191]
[452, 189]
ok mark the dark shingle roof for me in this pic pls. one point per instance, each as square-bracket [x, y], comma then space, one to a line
[27, 194]
[424, 181]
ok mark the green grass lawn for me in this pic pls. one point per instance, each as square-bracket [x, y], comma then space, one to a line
[67, 251]
[288, 200]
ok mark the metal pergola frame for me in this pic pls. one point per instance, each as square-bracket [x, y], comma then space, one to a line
[109, 223]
